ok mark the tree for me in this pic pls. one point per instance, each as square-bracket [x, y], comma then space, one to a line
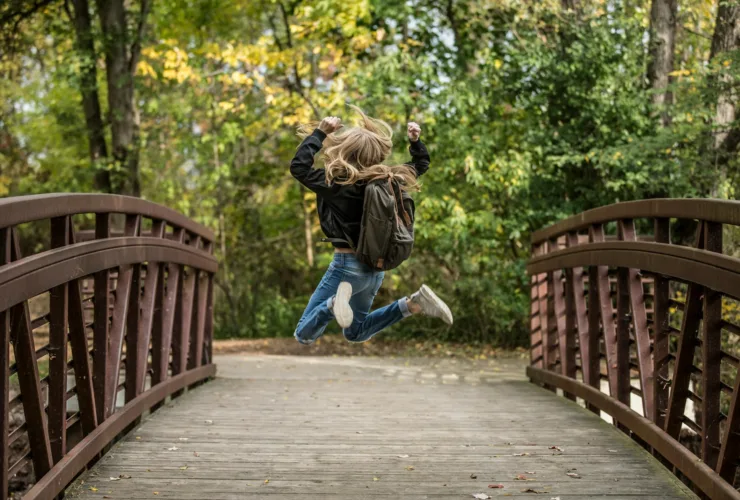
[661, 54]
[726, 135]
[89, 91]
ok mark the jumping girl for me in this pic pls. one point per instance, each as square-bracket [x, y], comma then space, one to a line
[354, 156]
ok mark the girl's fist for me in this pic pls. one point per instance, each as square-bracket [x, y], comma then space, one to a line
[330, 124]
[414, 131]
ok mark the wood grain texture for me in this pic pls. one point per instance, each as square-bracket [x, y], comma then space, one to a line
[301, 427]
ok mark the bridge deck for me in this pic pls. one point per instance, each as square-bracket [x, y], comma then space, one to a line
[323, 428]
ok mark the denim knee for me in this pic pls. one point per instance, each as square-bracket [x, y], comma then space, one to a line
[303, 341]
[353, 333]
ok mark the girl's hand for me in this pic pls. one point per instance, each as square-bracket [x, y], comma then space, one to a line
[330, 124]
[414, 131]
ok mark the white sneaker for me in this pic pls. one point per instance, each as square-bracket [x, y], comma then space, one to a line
[431, 305]
[341, 309]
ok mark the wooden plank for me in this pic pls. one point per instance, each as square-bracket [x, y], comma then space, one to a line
[681, 379]
[134, 370]
[183, 322]
[196, 342]
[661, 324]
[81, 360]
[588, 345]
[151, 301]
[639, 322]
[28, 378]
[101, 322]
[58, 323]
[208, 348]
[534, 321]
[542, 293]
[124, 285]
[5, 254]
[711, 357]
[606, 315]
[558, 320]
[161, 351]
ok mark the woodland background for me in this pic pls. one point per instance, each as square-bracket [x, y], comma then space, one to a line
[532, 110]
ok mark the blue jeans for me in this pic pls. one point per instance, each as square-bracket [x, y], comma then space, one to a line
[365, 285]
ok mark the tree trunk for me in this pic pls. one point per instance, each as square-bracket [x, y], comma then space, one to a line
[663, 15]
[120, 78]
[89, 90]
[308, 233]
[725, 39]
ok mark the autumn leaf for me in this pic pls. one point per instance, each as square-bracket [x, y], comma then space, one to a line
[498, 486]
[481, 496]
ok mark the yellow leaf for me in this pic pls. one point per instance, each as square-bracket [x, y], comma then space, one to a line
[498, 63]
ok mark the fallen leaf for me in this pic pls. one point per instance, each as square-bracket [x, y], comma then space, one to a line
[573, 475]
[195, 454]
[554, 498]
[138, 438]
[556, 448]
[174, 448]
[532, 490]
[184, 467]
[520, 454]
[209, 421]
[613, 451]
[473, 476]
[183, 439]
[93, 488]
[495, 485]
[156, 493]
[124, 476]
[410, 467]
[267, 481]
[403, 456]
[115, 478]
[376, 479]
[481, 496]
[528, 472]
[522, 477]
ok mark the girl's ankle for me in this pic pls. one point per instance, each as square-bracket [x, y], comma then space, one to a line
[412, 306]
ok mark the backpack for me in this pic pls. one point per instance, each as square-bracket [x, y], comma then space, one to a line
[387, 227]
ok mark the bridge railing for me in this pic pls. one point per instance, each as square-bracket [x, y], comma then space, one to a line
[623, 315]
[108, 314]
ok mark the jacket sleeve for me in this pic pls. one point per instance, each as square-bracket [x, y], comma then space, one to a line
[419, 157]
[301, 167]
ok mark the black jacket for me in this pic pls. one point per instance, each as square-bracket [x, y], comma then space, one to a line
[340, 206]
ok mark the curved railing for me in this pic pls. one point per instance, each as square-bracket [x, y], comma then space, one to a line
[109, 314]
[646, 330]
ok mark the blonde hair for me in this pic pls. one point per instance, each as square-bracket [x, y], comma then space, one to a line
[356, 153]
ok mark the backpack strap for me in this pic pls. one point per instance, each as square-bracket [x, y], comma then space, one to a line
[396, 190]
[348, 240]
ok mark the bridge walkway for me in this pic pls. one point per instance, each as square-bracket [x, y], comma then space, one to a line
[351, 428]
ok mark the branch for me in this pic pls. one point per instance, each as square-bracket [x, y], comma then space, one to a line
[296, 85]
[146, 6]
[693, 32]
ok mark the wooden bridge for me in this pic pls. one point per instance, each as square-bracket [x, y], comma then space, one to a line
[111, 388]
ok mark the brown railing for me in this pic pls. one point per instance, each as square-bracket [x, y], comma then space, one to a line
[109, 314]
[623, 315]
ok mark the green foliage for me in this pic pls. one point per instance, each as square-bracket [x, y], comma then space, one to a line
[530, 113]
